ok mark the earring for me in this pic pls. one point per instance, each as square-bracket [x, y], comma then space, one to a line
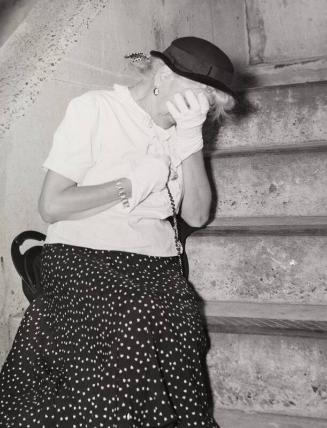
[156, 91]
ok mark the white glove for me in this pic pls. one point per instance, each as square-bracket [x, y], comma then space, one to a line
[149, 175]
[189, 120]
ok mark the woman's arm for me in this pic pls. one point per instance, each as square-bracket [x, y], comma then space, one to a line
[62, 199]
[196, 203]
[189, 110]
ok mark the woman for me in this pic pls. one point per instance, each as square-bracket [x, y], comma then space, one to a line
[117, 339]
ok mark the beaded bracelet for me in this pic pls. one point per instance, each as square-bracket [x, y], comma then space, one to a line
[122, 194]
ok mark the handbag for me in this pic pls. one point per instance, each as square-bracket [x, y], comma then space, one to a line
[28, 264]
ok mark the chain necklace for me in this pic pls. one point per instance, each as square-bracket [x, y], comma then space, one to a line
[178, 244]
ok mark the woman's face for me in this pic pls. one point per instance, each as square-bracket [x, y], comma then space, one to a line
[180, 84]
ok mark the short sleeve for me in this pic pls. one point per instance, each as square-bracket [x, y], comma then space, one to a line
[72, 151]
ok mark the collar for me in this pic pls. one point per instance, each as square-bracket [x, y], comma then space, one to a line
[125, 96]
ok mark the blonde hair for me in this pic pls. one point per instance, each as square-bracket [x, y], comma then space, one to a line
[220, 102]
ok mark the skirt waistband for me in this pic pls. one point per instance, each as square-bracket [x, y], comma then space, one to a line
[120, 260]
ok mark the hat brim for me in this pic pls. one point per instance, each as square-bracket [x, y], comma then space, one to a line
[194, 76]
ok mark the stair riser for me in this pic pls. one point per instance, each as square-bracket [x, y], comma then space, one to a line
[290, 114]
[289, 269]
[275, 184]
[269, 374]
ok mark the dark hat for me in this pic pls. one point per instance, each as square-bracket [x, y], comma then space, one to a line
[199, 60]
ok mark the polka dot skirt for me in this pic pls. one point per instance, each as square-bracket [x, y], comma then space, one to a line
[116, 341]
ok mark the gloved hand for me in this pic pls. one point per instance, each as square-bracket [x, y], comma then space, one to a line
[149, 175]
[189, 120]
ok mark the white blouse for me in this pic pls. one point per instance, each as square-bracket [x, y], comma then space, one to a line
[102, 134]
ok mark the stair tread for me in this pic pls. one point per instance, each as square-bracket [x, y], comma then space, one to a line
[313, 145]
[268, 311]
[237, 418]
[304, 320]
[282, 74]
[277, 224]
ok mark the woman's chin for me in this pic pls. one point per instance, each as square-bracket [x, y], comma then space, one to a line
[166, 121]
[169, 121]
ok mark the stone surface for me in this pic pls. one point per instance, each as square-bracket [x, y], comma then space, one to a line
[287, 73]
[269, 374]
[42, 39]
[13, 325]
[270, 184]
[4, 341]
[287, 114]
[12, 13]
[239, 419]
[8, 332]
[289, 269]
[129, 22]
[286, 29]
[87, 76]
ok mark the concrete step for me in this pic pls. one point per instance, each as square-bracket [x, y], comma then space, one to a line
[291, 184]
[283, 115]
[266, 318]
[269, 225]
[282, 73]
[287, 268]
[13, 325]
[268, 373]
[239, 419]
[307, 146]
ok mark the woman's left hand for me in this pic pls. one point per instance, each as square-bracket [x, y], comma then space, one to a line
[189, 112]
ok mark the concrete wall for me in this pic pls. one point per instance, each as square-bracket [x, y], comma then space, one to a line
[281, 115]
[12, 14]
[286, 30]
[62, 49]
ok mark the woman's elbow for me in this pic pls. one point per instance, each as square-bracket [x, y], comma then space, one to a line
[197, 220]
[196, 214]
[46, 211]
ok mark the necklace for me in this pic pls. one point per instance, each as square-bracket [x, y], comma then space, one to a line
[178, 244]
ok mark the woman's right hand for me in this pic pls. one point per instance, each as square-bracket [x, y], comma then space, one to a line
[149, 175]
[189, 110]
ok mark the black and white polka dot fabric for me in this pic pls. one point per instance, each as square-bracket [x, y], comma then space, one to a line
[116, 341]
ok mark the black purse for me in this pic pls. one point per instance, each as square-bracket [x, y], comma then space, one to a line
[28, 264]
